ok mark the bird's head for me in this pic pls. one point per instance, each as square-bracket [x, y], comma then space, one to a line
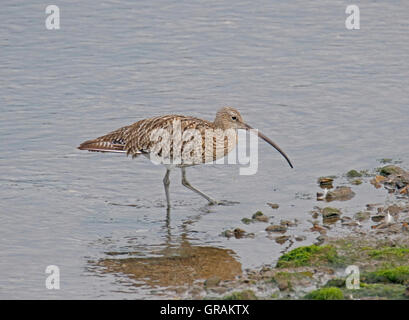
[230, 118]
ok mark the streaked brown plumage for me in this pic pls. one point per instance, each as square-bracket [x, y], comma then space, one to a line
[136, 139]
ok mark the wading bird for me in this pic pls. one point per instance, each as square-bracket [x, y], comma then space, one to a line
[192, 145]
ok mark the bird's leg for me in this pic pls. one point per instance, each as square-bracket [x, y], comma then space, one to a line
[189, 186]
[166, 183]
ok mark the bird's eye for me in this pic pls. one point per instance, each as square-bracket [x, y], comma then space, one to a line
[234, 118]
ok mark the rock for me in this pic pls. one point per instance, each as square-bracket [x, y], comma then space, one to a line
[372, 206]
[329, 212]
[354, 174]
[350, 223]
[288, 223]
[330, 220]
[325, 182]
[246, 220]
[362, 215]
[276, 228]
[320, 240]
[212, 282]
[384, 227]
[396, 178]
[237, 233]
[317, 228]
[259, 216]
[283, 285]
[394, 209]
[300, 238]
[273, 205]
[356, 182]
[228, 234]
[320, 196]
[391, 170]
[404, 190]
[281, 239]
[340, 193]
[378, 218]
[315, 213]
[377, 181]
[240, 233]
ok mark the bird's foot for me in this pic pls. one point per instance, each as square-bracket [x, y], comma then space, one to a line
[214, 202]
[222, 203]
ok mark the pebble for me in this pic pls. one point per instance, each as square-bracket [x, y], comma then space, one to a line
[273, 205]
[362, 215]
[288, 223]
[378, 218]
[281, 239]
[276, 228]
[340, 193]
[329, 212]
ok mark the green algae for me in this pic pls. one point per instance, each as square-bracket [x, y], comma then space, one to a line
[354, 174]
[309, 255]
[246, 220]
[392, 275]
[330, 293]
[389, 252]
[377, 290]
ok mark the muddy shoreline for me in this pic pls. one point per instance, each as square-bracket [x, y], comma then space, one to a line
[375, 241]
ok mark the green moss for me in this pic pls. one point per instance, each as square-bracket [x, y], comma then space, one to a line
[390, 169]
[328, 212]
[328, 177]
[241, 295]
[257, 214]
[290, 278]
[356, 182]
[246, 220]
[339, 283]
[353, 174]
[378, 290]
[331, 293]
[309, 255]
[389, 252]
[394, 275]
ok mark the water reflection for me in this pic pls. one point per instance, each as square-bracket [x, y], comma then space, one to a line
[176, 266]
[176, 263]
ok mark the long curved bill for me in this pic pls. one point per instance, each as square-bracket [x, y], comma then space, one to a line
[266, 139]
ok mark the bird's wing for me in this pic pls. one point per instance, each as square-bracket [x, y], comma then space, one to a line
[138, 138]
[146, 135]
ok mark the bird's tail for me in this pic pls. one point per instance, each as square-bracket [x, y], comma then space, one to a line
[111, 142]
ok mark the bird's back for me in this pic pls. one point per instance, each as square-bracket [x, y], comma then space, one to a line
[146, 136]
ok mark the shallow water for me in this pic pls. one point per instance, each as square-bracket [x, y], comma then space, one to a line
[332, 98]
